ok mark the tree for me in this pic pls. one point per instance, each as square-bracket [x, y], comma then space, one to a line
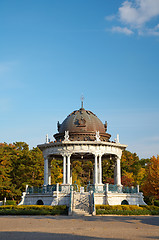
[133, 169]
[5, 169]
[19, 167]
[56, 171]
[151, 184]
[108, 171]
[130, 163]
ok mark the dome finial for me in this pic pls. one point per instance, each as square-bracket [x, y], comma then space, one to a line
[82, 99]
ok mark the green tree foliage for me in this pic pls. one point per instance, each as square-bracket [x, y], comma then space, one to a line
[82, 172]
[19, 167]
[130, 162]
[56, 171]
[108, 170]
[133, 169]
[5, 169]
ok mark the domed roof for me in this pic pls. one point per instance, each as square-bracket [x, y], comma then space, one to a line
[82, 126]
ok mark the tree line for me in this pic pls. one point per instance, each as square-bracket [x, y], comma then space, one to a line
[20, 166]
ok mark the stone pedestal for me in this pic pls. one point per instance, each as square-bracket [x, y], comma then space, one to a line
[65, 188]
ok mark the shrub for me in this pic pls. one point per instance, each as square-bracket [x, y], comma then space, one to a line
[10, 202]
[156, 202]
[33, 210]
[127, 210]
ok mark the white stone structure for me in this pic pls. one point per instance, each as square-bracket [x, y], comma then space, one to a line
[68, 148]
[82, 134]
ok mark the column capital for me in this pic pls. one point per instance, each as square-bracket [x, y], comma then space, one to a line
[100, 154]
[68, 154]
[96, 154]
[118, 156]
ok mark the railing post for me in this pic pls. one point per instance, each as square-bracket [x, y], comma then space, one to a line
[138, 189]
[106, 187]
[93, 203]
[26, 188]
[70, 207]
[57, 193]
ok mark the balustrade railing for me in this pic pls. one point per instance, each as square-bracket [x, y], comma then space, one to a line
[44, 189]
[49, 189]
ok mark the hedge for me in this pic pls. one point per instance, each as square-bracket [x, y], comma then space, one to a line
[33, 210]
[156, 203]
[127, 210]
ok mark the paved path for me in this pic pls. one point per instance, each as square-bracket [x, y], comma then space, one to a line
[78, 228]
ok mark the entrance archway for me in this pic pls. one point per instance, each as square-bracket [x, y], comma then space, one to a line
[82, 168]
[108, 166]
[39, 202]
[124, 202]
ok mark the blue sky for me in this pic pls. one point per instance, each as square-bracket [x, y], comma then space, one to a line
[53, 51]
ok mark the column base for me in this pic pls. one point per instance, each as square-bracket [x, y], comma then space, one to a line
[99, 187]
[65, 188]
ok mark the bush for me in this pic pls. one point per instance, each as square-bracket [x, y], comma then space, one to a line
[10, 202]
[156, 203]
[33, 210]
[127, 210]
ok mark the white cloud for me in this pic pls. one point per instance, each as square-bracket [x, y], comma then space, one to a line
[124, 30]
[136, 14]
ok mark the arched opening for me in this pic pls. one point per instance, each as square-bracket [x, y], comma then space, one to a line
[124, 202]
[39, 202]
[108, 166]
[82, 168]
[56, 169]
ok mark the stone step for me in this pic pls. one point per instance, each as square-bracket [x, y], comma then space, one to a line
[80, 212]
[81, 203]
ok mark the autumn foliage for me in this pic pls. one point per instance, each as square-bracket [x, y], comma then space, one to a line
[151, 184]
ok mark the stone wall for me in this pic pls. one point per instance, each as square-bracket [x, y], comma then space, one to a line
[47, 199]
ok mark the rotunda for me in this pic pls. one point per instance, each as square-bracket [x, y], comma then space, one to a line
[82, 136]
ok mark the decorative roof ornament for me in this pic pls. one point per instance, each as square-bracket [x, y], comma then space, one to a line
[97, 136]
[82, 99]
[58, 126]
[117, 139]
[106, 125]
[66, 136]
[47, 138]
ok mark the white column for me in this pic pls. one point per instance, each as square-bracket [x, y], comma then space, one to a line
[45, 171]
[100, 169]
[49, 172]
[68, 169]
[96, 169]
[64, 169]
[117, 175]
